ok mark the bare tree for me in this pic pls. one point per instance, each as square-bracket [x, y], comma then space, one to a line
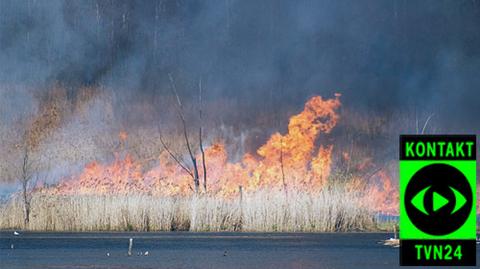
[425, 124]
[284, 183]
[200, 131]
[418, 121]
[174, 157]
[195, 173]
[27, 177]
[36, 128]
[275, 106]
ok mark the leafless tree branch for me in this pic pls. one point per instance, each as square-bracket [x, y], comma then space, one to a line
[200, 104]
[185, 134]
[178, 161]
[426, 123]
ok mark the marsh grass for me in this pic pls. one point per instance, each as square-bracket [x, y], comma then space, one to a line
[332, 209]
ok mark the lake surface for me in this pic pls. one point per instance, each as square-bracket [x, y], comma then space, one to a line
[196, 250]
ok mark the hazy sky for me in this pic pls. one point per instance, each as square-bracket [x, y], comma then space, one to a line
[382, 55]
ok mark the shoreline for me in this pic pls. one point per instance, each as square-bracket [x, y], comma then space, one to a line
[191, 232]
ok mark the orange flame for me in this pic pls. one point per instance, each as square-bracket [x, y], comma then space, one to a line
[122, 136]
[292, 160]
[383, 195]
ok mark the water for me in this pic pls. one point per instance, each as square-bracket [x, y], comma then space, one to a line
[196, 250]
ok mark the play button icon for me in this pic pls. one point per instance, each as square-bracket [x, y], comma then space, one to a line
[438, 199]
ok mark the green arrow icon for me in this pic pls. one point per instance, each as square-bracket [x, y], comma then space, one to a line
[417, 201]
[438, 201]
[460, 200]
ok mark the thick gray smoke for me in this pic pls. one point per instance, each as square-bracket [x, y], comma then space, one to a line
[397, 63]
[266, 55]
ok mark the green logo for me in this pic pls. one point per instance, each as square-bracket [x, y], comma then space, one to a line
[437, 199]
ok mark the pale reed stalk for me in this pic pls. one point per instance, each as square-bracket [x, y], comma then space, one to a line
[331, 209]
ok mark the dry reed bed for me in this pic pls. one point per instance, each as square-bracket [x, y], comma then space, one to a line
[332, 209]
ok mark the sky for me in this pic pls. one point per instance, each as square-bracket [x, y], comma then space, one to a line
[388, 59]
[383, 56]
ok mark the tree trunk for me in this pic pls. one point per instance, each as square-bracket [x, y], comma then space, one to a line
[25, 179]
[196, 179]
[26, 203]
[200, 134]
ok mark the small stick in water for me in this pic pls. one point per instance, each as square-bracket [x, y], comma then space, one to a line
[130, 244]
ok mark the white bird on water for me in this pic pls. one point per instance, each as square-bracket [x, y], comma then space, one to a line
[16, 233]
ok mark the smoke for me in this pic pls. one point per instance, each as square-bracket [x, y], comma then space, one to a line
[259, 61]
[380, 55]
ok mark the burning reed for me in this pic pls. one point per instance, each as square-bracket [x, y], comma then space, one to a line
[334, 208]
[287, 184]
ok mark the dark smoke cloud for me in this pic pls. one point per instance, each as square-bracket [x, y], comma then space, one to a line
[267, 55]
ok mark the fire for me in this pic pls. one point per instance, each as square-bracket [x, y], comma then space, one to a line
[122, 136]
[292, 156]
[297, 160]
[383, 196]
[122, 176]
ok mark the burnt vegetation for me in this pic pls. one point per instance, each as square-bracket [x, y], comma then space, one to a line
[223, 115]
